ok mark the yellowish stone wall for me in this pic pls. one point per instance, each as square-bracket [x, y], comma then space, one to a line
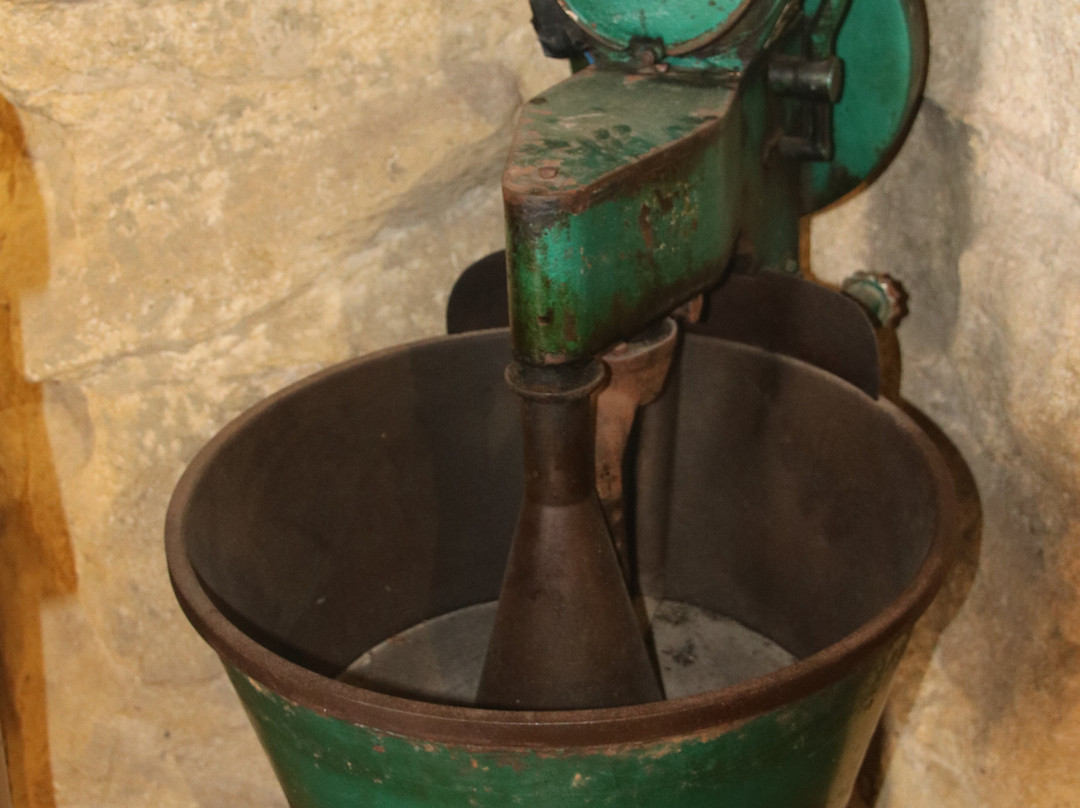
[228, 195]
[209, 199]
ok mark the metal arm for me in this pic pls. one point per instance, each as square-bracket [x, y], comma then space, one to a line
[692, 137]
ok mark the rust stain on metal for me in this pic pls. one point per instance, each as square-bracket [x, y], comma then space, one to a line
[532, 660]
[572, 195]
[570, 330]
[645, 226]
[637, 372]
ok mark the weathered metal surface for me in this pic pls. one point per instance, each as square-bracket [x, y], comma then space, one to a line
[629, 184]
[566, 636]
[795, 317]
[625, 196]
[615, 193]
[810, 71]
[815, 79]
[729, 48]
[778, 312]
[826, 18]
[682, 25]
[382, 493]
[802, 755]
[441, 659]
[637, 371]
[714, 37]
[885, 48]
[882, 296]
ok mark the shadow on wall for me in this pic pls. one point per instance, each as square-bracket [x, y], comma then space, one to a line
[36, 561]
[921, 222]
[937, 618]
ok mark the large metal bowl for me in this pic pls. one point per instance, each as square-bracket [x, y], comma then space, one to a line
[383, 492]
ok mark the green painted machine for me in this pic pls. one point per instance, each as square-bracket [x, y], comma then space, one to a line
[692, 144]
[631, 185]
[661, 565]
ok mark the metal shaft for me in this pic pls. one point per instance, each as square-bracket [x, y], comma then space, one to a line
[566, 635]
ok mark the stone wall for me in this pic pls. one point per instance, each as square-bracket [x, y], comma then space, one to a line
[206, 200]
[224, 196]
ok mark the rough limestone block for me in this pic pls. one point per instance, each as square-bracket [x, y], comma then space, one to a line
[236, 194]
[1009, 67]
[239, 150]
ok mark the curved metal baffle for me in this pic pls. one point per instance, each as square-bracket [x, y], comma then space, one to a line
[329, 522]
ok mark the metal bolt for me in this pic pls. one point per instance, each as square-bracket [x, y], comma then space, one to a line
[882, 296]
[818, 80]
[649, 53]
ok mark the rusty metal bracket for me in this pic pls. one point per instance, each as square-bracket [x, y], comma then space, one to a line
[637, 371]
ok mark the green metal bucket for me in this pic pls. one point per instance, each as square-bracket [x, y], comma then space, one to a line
[382, 493]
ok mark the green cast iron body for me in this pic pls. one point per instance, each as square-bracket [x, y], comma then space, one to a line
[802, 755]
[631, 185]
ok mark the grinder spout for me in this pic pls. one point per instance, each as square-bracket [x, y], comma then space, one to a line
[566, 636]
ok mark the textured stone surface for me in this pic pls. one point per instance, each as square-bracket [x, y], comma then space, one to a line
[209, 199]
[234, 194]
[239, 151]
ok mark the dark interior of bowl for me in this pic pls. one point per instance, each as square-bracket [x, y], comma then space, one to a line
[384, 492]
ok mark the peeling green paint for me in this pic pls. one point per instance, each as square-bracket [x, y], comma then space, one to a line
[592, 257]
[616, 194]
[803, 755]
[883, 45]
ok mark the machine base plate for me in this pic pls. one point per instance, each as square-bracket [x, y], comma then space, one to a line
[440, 659]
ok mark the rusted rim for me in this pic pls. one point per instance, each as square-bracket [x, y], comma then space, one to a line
[474, 727]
